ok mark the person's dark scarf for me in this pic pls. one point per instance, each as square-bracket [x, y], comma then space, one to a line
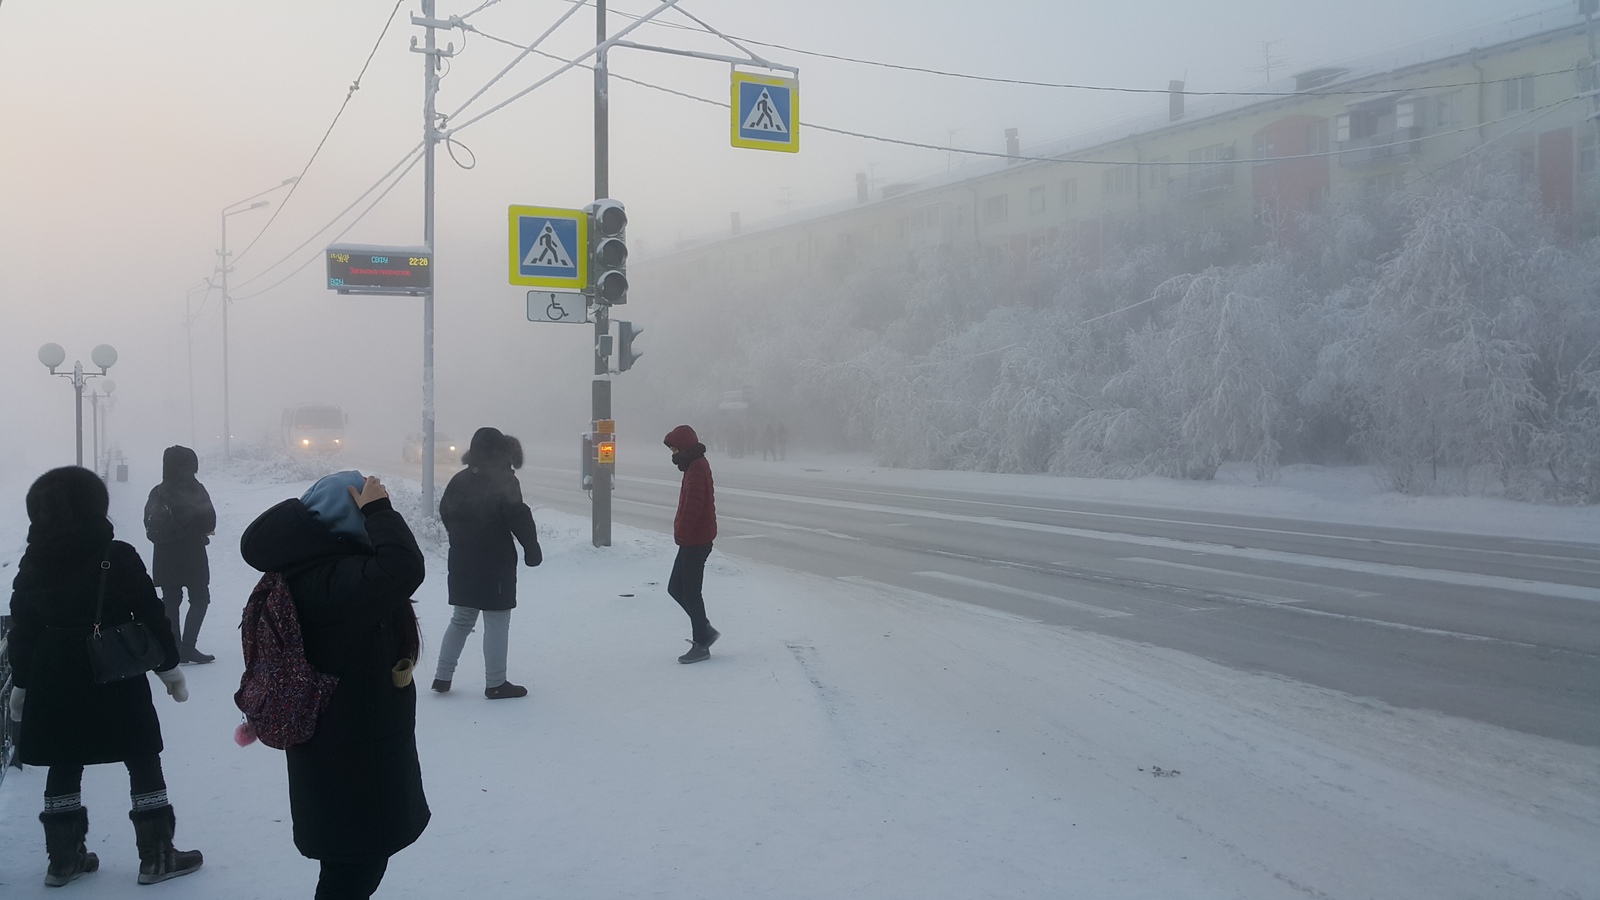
[60, 546]
[686, 457]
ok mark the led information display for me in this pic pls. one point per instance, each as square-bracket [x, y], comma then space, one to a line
[363, 269]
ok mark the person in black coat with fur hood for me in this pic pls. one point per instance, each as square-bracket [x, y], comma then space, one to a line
[351, 564]
[482, 509]
[179, 520]
[67, 720]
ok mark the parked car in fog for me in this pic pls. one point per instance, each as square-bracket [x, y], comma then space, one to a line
[444, 448]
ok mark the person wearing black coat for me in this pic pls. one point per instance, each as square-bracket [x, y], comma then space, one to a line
[179, 520]
[352, 564]
[482, 509]
[66, 720]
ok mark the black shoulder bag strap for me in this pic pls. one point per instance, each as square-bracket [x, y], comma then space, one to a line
[100, 596]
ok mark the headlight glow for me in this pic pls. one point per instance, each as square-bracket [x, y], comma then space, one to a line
[305, 442]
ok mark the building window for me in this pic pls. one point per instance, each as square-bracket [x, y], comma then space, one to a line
[1119, 180]
[1158, 171]
[1519, 94]
[1447, 110]
[1036, 200]
[751, 263]
[1588, 152]
[1317, 136]
[775, 258]
[995, 209]
[1069, 192]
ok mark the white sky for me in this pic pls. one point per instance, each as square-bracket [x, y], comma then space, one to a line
[130, 126]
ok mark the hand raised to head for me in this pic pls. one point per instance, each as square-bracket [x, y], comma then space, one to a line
[372, 490]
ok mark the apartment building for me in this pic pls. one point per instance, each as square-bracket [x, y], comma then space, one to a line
[1252, 162]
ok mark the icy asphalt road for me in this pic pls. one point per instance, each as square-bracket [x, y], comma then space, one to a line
[1498, 630]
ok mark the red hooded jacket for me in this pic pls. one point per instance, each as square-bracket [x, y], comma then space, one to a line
[696, 521]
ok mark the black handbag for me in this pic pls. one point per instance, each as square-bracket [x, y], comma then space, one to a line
[120, 651]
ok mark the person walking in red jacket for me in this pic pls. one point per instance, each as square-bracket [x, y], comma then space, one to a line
[693, 529]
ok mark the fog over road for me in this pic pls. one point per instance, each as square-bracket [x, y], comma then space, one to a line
[1499, 630]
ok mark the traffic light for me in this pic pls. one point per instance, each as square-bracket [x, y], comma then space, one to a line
[608, 251]
[626, 355]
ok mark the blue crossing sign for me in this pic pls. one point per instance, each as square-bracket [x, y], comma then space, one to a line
[766, 112]
[549, 247]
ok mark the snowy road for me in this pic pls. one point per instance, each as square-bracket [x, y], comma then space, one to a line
[1503, 631]
[856, 738]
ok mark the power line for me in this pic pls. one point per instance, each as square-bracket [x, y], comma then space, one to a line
[412, 152]
[314, 257]
[945, 73]
[1047, 159]
[354, 86]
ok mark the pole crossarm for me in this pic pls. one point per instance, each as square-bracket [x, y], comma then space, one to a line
[599, 48]
[715, 57]
[754, 59]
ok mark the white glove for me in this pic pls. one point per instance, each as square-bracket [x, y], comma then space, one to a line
[173, 679]
[17, 696]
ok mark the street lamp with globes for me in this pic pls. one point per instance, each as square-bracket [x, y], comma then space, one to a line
[104, 356]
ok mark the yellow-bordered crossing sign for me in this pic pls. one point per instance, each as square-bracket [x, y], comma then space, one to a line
[766, 112]
[549, 247]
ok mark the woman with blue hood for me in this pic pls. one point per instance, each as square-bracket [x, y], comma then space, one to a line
[351, 564]
[179, 521]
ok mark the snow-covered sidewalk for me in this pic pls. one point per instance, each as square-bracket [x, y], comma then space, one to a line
[844, 742]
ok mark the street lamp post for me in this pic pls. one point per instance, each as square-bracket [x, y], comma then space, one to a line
[104, 390]
[104, 356]
[227, 422]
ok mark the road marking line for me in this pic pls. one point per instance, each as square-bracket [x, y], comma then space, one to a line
[1145, 560]
[1031, 595]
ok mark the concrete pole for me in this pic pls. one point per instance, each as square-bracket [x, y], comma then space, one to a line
[429, 139]
[600, 494]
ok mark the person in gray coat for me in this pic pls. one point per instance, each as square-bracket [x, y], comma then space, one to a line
[482, 510]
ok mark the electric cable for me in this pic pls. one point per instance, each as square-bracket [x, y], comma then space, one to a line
[354, 86]
[1067, 85]
[290, 255]
[570, 64]
[318, 255]
[1015, 158]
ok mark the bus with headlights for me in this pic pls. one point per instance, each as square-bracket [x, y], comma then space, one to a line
[314, 429]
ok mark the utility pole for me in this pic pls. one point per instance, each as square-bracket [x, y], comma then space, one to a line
[600, 493]
[188, 329]
[227, 423]
[430, 137]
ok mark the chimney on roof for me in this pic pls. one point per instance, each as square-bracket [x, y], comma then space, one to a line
[1013, 145]
[1174, 100]
[861, 187]
[735, 223]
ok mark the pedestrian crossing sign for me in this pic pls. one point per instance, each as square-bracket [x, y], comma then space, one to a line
[766, 112]
[549, 247]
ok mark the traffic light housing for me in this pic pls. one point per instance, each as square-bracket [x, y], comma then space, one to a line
[626, 355]
[608, 251]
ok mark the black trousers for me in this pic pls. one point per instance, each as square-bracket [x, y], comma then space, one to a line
[688, 576]
[144, 777]
[350, 879]
[199, 600]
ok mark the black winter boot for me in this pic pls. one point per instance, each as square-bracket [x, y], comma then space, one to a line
[158, 861]
[64, 832]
